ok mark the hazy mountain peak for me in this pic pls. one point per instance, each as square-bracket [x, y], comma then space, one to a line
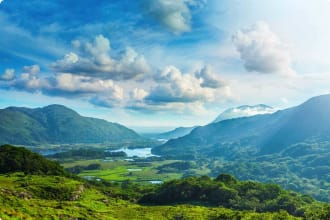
[244, 111]
[174, 133]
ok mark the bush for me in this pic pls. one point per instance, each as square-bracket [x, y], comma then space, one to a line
[19, 159]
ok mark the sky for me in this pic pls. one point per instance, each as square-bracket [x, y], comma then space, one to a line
[159, 64]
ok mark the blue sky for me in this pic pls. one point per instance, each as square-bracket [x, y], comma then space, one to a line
[163, 63]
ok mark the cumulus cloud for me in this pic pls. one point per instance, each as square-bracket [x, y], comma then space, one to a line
[78, 85]
[174, 86]
[102, 92]
[33, 70]
[169, 90]
[1, 1]
[109, 100]
[93, 59]
[138, 94]
[262, 51]
[174, 15]
[8, 75]
[209, 80]
[30, 80]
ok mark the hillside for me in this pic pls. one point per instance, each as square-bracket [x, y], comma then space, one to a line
[19, 159]
[269, 133]
[290, 147]
[51, 197]
[57, 124]
[175, 133]
[39, 196]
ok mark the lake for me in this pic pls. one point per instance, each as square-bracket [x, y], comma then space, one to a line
[137, 152]
[48, 152]
[156, 181]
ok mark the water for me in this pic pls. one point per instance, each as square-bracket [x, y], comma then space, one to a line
[89, 177]
[134, 170]
[48, 152]
[156, 181]
[137, 152]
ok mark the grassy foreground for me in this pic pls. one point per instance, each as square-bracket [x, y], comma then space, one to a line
[52, 197]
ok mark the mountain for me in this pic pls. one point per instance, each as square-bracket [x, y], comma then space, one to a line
[265, 134]
[244, 111]
[175, 133]
[57, 124]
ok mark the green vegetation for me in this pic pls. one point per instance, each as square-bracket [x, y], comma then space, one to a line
[87, 153]
[56, 124]
[305, 173]
[265, 134]
[52, 195]
[24, 197]
[226, 191]
[290, 147]
[303, 168]
[120, 170]
[109, 187]
[14, 159]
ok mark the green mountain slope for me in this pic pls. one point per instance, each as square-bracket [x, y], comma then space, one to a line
[290, 147]
[175, 133]
[266, 133]
[19, 159]
[56, 124]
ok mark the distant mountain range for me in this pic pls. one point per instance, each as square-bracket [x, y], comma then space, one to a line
[175, 133]
[57, 124]
[244, 111]
[266, 134]
[231, 113]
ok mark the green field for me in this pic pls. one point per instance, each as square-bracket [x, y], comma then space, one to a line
[121, 170]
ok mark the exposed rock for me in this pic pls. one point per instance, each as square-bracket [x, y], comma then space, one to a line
[76, 194]
[24, 195]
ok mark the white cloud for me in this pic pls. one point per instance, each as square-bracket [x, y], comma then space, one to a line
[170, 90]
[96, 90]
[71, 58]
[93, 59]
[1, 1]
[175, 15]
[8, 75]
[81, 84]
[30, 80]
[32, 70]
[138, 94]
[262, 51]
[174, 86]
[209, 79]
[110, 99]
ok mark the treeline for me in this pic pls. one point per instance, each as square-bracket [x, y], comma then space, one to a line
[19, 159]
[79, 168]
[303, 167]
[87, 153]
[228, 192]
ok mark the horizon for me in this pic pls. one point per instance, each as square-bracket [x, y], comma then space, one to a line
[164, 64]
[146, 130]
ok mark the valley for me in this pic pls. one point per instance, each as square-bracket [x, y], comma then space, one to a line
[226, 158]
[45, 191]
[165, 110]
